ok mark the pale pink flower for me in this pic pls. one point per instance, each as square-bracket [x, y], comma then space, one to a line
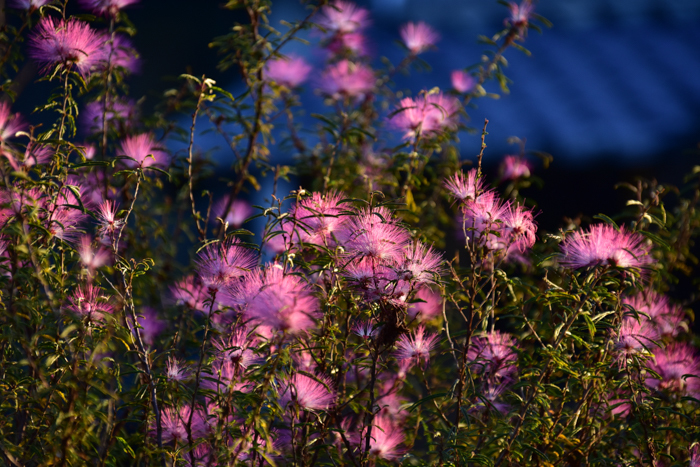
[492, 354]
[695, 455]
[465, 188]
[281, 301]
[377, 281]
[462, 81]
[678, 365]
[374, 234]
[106, 7]
[426, 115]
[69, 44]
[520, 15]
[385, 439]
[10, 123]
[64, 223]
[174, 424]
[514, 167]
[190, 292]
[28, 4]
[518, 228]
[635, 336]
[347, 79]
[107, 222]
[144, 151]
[306, 392]
[318, 218]
[665, 316]
[354, 43]
[92, 258]
[483, 220]
[219, 264]
[428, 308]
[364, 329]
[421, 264]
[418, 37]
[342, 17]
[175, 371]
[290, 71]
[237, 349]
[89, 302]
[603, 245]
[415, 347]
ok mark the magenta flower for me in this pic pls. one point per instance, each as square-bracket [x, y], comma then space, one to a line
[635, 336]
[237, 213]
[429, 308]
[271, 298]
[237, 349]
[106, 7]
[492, 354]
[483, 221]
[385, 439]
[514, 167]
[90, 257]
[427, 116]
[175, 371]
[518, 228]
[306, 392]
[121, 54]
[418, 37]
[374, 234]
[347, 79]
[465, 188]
[174, 425]
[190, 292]
[666, 317]
[107, 222]
[290, 71]
[678, 365]
[354, 43]
[121, 116]
[318, 218]
[65, 222]
[10, 123]
[364, 329]
[415, 348]
[491, 397]
[342, 17]
[695, 455]
[462, 81]
[225, 376]
[220, 263]
[520, 15]
[90, 303]
[603, 245]
[377, 281]
[150, 324]
[421, 264]
[70, 44]
[144, 151]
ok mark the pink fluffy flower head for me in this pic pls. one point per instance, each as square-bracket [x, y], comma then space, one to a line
[92, 258]
[174, 424]
[175, 371]
[289, 71]
[237, 349]
[603, 245]
[71, 44]
[484, 218]
[27, 4]
[678, 365]
[428, 308]
[347, 79]
[520, 15]
[462, 81]
[306, 392]
[514, 167]
[144, 151]
[667, 318]
[106, 7]
[318, 218]
[418, 37]
[341, 17]
[365, 329]
[120, 54]
[107, 222]
[385, 439]
[374, 234]
[415, 347]
[64, 223]
[89, 302]
[518, 228]
[635, 336]
[219, 264]
[237, 214]
[426, 115]
[421, 264]
[271, 298]
[10, 123]
[492, 354]
[464, 188]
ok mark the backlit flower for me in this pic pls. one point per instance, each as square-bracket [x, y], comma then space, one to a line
[175, 371]
[89, 302]
[343, 17]
[464, 187]
[462, 81]
[347, 79]
[107, 222]
[220, 263]
[418, 37]
[238, 212]
[492, 354]
[10, 123]
[514, 167]
[374, 234]
[69, 43]
[415, 347]
[106, 7]
[667, 318]
[385, 439]
[603, 245]
[306, 392]
[428, 308]
[290, 71]
[426, 115]
[144, 151]
[678, 365]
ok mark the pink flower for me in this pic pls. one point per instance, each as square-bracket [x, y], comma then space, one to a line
[492, 354]
[415, 348]
[603, 245]
[190, 292]
[695, 455]
[354, 43]
[343, 17]
[89, 302]
[377, 281]
[667, 318]
[237, 213]
[374, 234]
[490, 397]
[306, 392]
[635, 336]
[271, 298]
[237, 349]
[107, 222]
[465, 188]
[421, 264]
[91, 258]
[427, 116]
[462, 81]
[418, 37]
[175, 370]
[225, 376]
[429, 308]
[144, 151]
[174, 424]
[122, 55]
[364, 329]
[318, 218]
[678, 366]
[69, 44]
[10, 123]
[220, 263]
[289, 71]
[483, 220]
[520, 14]
[64, 223]
[106, 7]
[347, 79]
[150, 325]
[385, 438]
[514, 167]
[518, 228]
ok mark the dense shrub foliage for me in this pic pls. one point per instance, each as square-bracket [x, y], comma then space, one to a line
[400, 307]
